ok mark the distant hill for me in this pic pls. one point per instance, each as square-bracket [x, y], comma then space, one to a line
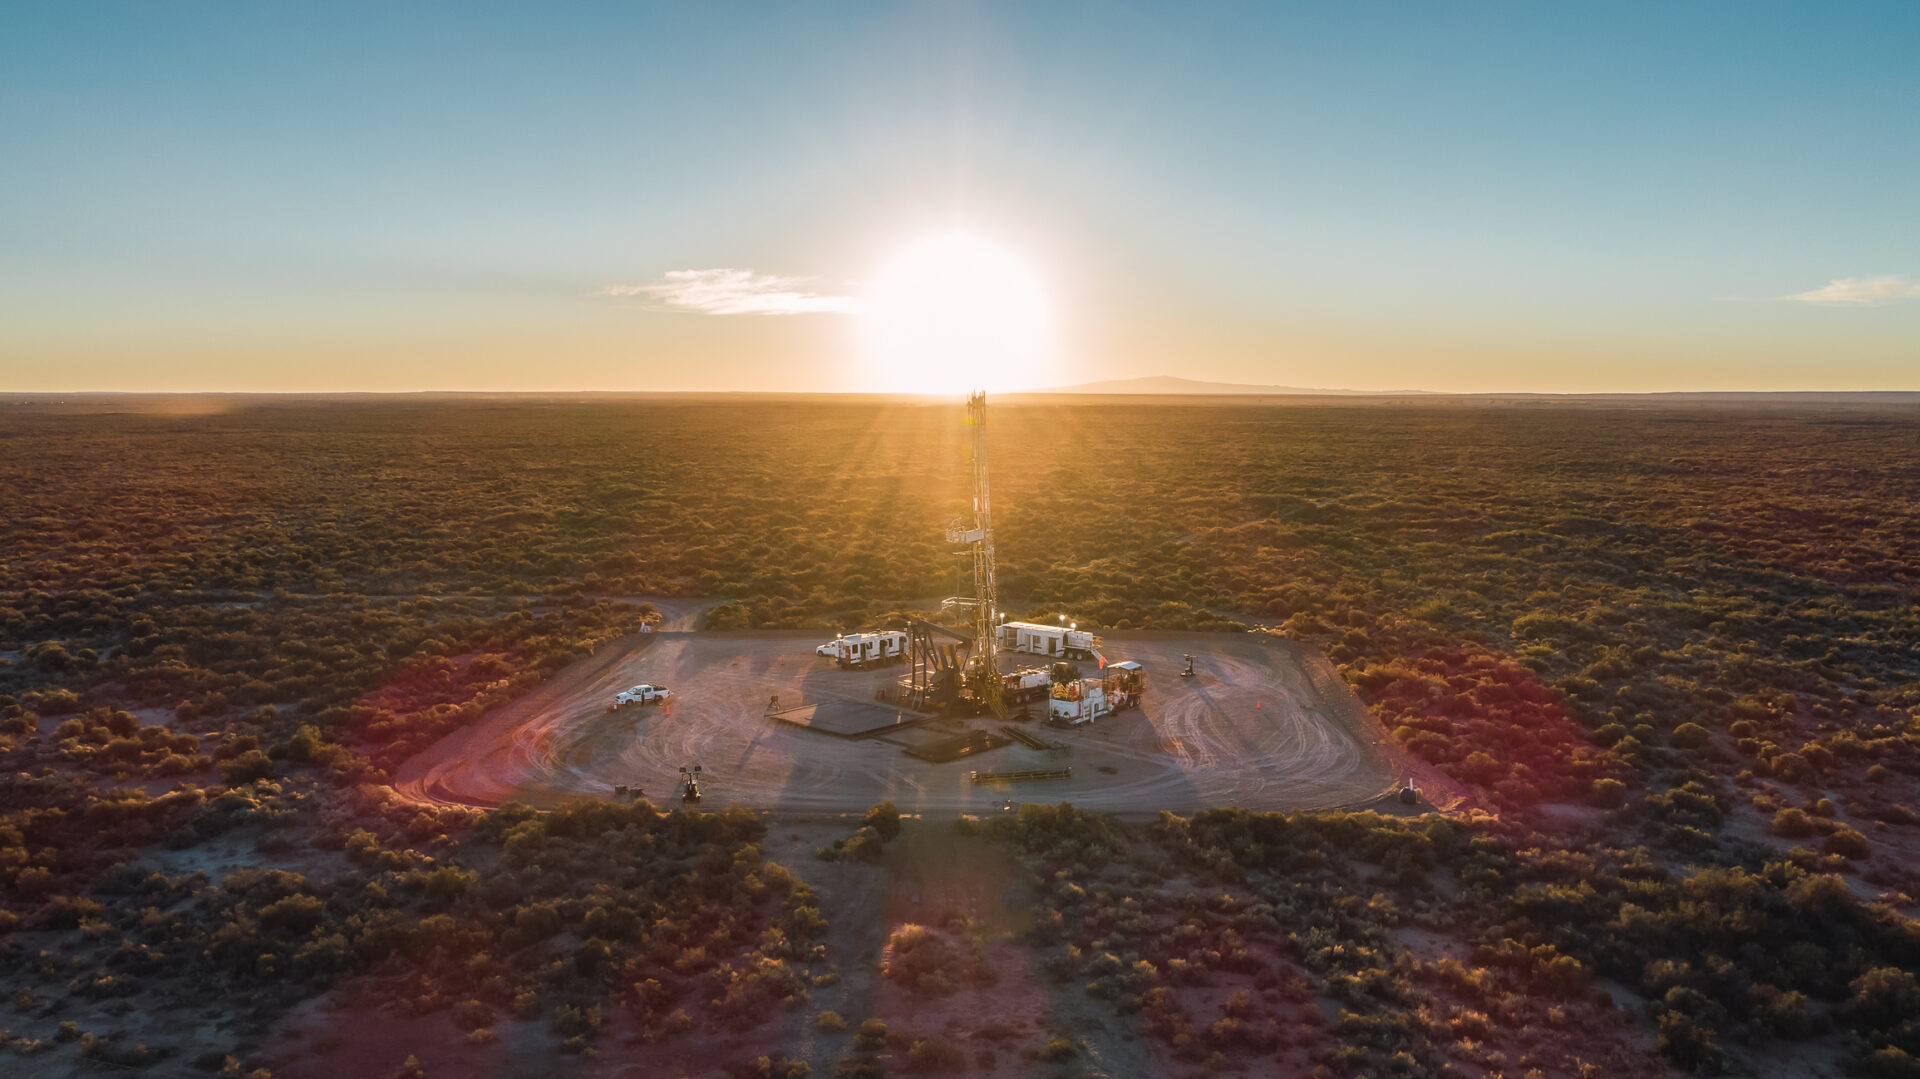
[1168, 385]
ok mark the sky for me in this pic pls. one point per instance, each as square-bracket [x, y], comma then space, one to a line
[1460, 197]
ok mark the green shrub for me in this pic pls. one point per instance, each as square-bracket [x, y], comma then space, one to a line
[471, 1015]
[1847, 843]
[935, 1055]
[1884, 997]
[1607, 793]
[884, 819]
[1689, 736]
[246, 768]
[294, 913]
[1793, 823]
[1690, 1043]
[1891, 1062]
[1058, 1049]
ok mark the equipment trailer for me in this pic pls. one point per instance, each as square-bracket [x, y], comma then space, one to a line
[1034, 776]
[1058, 642]
[865, 649]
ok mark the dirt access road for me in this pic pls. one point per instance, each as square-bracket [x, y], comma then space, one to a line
[1266, 724]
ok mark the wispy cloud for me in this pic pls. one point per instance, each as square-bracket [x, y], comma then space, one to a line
[1860, 291]
[734, 292]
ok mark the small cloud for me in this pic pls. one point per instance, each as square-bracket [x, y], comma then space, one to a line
[734, 292]
[1859, 291]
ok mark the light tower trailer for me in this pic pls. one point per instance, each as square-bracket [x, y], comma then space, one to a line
[1058, 642]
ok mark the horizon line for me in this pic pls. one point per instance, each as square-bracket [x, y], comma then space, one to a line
[1046, 392]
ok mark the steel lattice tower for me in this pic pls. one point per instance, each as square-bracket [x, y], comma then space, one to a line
[984, 673]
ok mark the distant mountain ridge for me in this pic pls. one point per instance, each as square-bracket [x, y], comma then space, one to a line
[1171, 386]
[1168, 385]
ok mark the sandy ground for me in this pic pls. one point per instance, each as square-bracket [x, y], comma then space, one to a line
[1267, 724]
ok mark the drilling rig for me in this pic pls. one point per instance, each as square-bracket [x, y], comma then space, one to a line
[983, 676]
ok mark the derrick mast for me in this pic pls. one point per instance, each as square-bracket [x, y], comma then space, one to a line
[983, 667]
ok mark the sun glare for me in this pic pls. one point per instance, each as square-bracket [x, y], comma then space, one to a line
[955, 313]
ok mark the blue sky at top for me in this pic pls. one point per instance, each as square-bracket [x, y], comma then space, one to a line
[1441, 196]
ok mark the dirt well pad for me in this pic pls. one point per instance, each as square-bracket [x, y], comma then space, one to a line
[1265, 724]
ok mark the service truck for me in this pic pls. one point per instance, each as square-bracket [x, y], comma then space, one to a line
[865, 649]
[641, 694]
[1028, 684]
[1060, 642]
[1080, 701]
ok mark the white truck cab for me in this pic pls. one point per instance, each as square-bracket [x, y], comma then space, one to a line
[642, 694]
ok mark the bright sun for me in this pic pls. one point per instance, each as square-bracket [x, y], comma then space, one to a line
[954, 313]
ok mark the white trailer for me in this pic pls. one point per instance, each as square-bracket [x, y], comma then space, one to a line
[862, 649]
[1079, 702]
[1056, 642]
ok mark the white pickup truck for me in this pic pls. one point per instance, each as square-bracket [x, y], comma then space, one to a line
[640, 695]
